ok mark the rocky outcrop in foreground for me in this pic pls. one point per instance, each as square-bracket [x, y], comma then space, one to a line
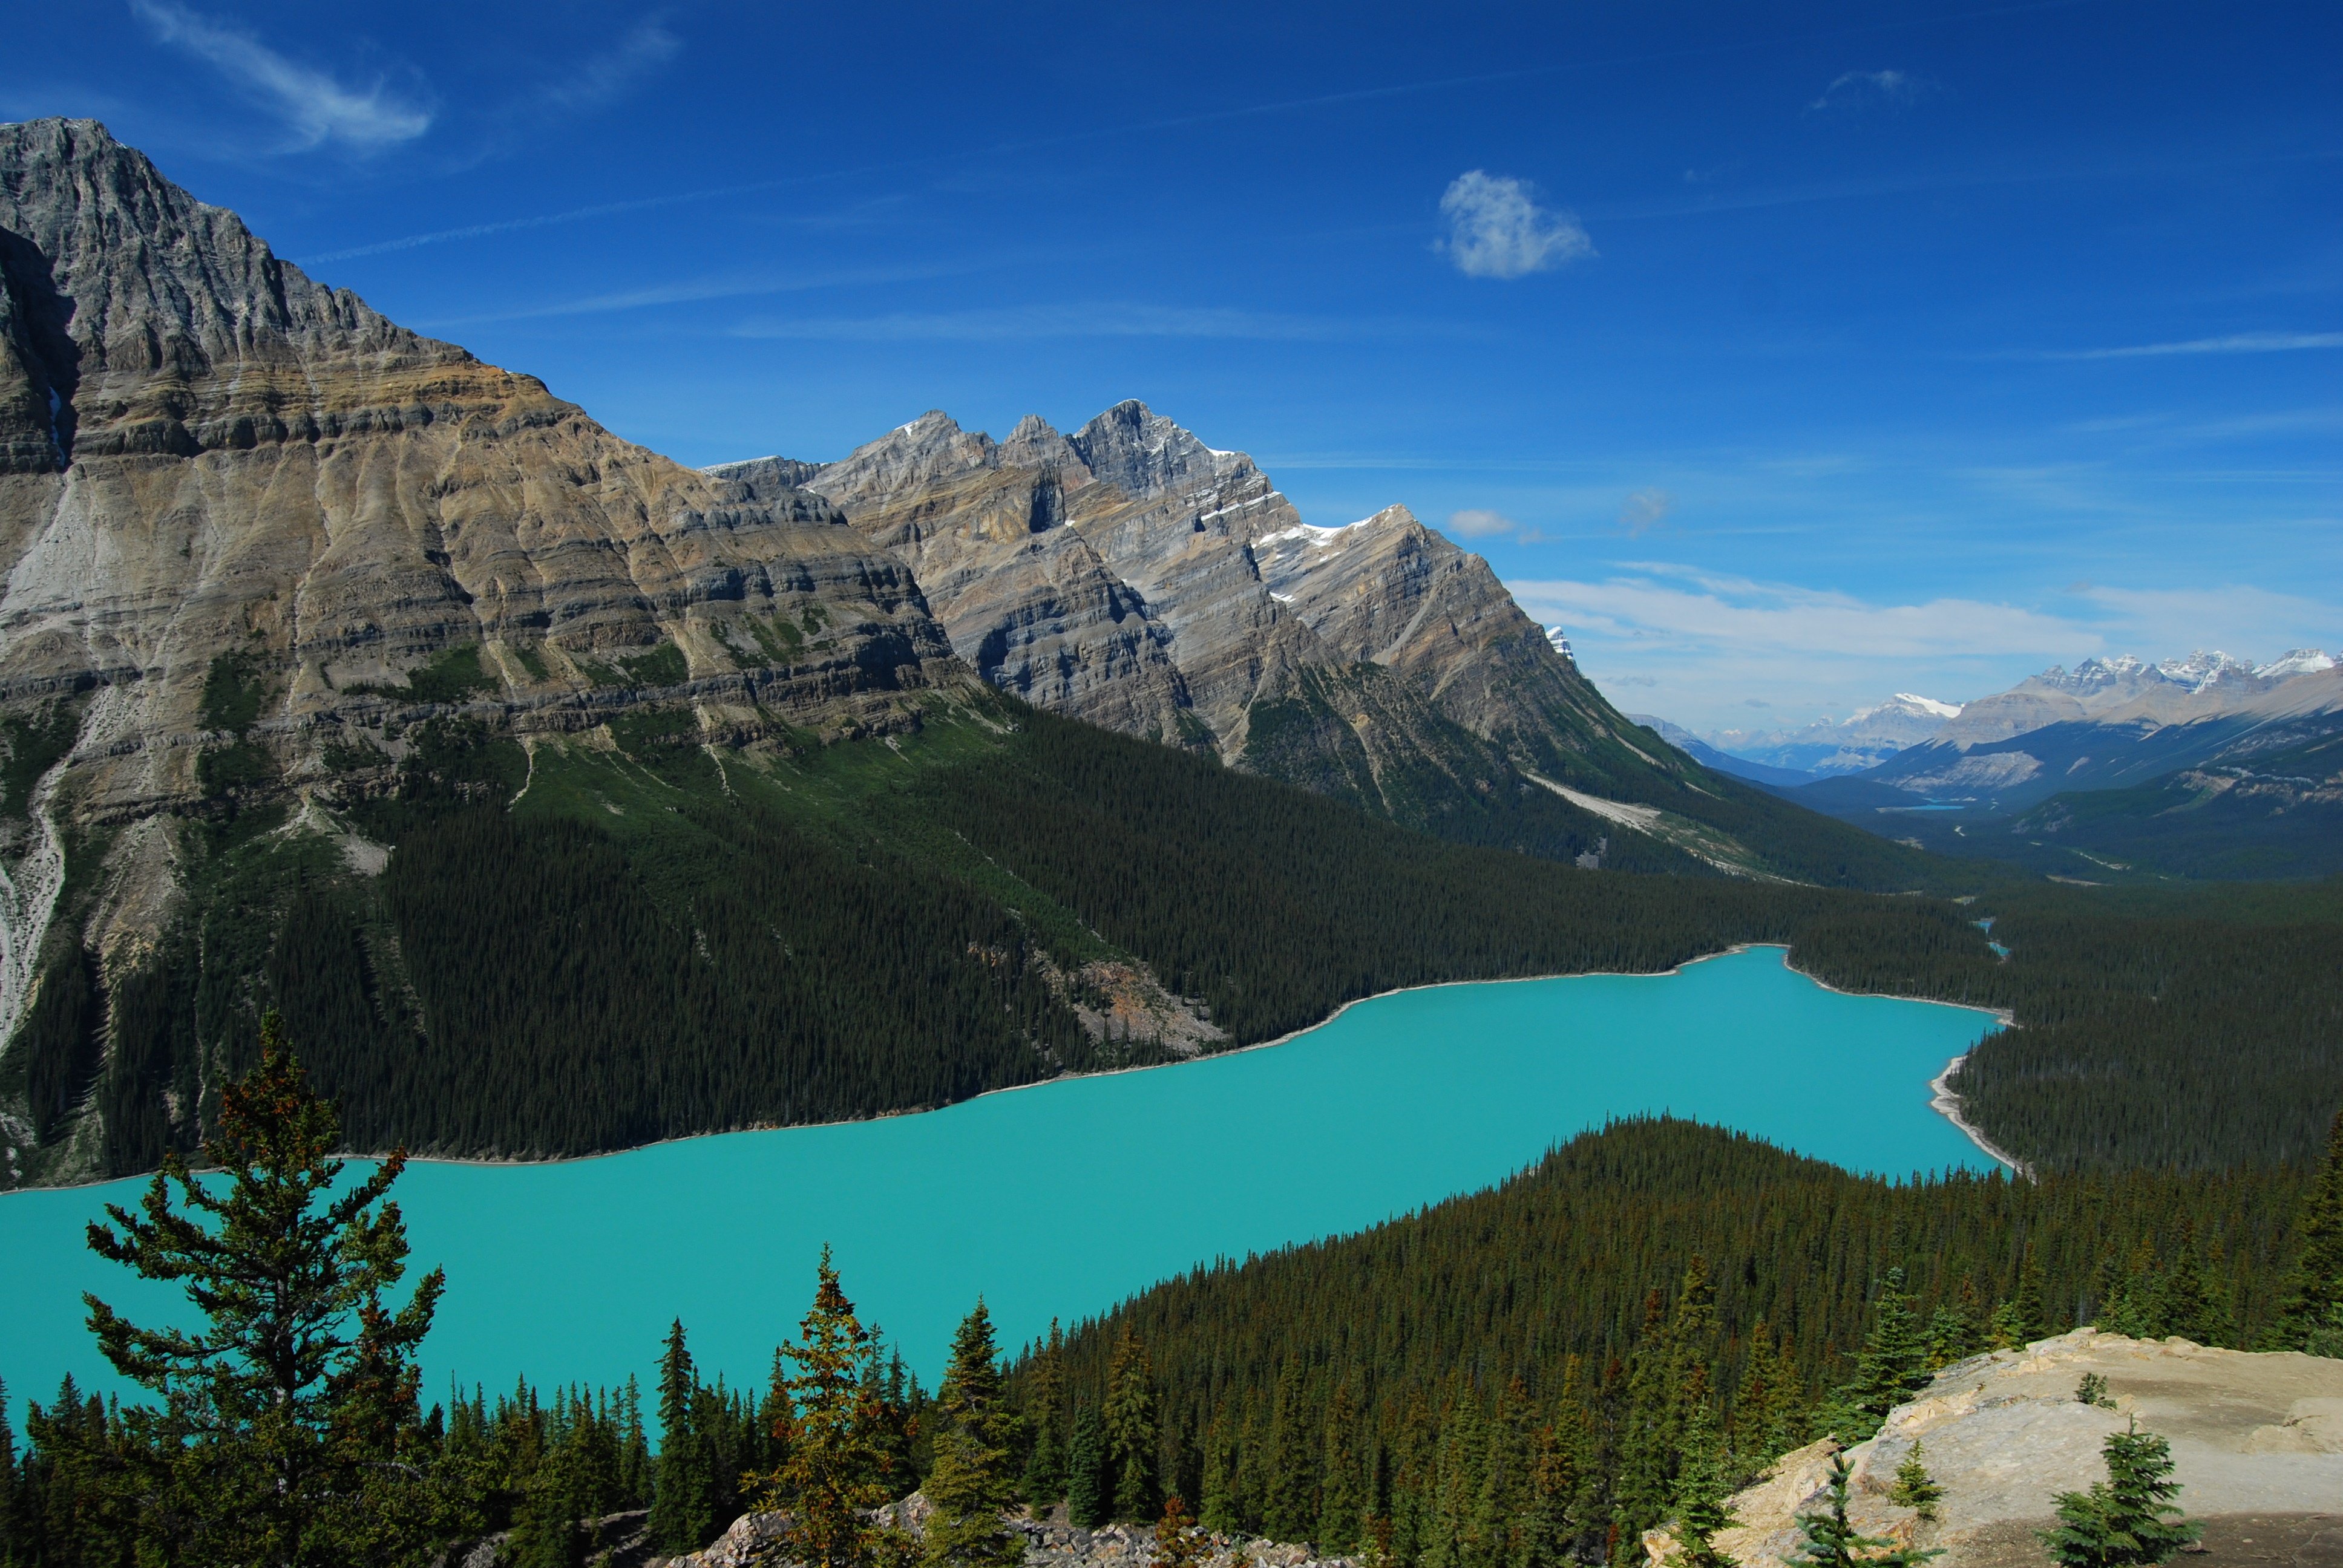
[753, 1542]
[2256, 1445]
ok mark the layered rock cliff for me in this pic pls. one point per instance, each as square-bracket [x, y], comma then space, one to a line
[1132, 575]
[251, 532]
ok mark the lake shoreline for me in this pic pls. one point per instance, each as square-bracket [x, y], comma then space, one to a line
[1945, 1102]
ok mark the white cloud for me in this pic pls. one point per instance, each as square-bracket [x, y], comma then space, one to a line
[1858, 89]
[1671, 606]
[316, 107]
[2235, 343]
[2249, 622]
[1496, 229]
[1478, 523]
[1703, 644]
[1644, 510]
[610, 74]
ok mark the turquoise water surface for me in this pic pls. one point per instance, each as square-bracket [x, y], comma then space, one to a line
[1065, 1198]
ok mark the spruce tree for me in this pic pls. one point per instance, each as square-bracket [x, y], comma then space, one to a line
[1221, 1515]
[971, 1484]
[1833, 1541]
[1090, 1500]
[1914, 1488]
[1045, 1465]
[1340, 1503]
[1131, 1430]
[683, 1512]
[1702, 1488]
[288, 1432]
[840, 1458]
[1288, 1510]
[1894, 1365]
[2311, 1316]
[2122, 1522]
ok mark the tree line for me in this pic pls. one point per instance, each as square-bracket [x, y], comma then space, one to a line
[1526, 1378]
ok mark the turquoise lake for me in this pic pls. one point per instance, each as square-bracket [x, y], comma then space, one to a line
[1067, 1196]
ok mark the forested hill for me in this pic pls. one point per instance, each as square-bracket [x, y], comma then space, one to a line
[583, 944]
[1518, 1376]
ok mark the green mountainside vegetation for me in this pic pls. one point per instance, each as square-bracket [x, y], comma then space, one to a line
[1524, 1375]
[598, 941]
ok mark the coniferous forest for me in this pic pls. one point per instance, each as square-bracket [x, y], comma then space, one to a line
[570, 950]
[567, 950]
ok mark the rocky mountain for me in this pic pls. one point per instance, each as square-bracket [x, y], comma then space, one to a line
[1832, 747]
[1129, 575]
[1709, 756]
[2203, 767]
[256, 538]
[2257, 1442]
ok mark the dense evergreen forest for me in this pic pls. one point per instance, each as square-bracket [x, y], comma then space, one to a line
[575, 948]
[1523, 1378]
[1519, 1376]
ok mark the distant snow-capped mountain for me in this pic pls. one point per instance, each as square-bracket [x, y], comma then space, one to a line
[1830, 747]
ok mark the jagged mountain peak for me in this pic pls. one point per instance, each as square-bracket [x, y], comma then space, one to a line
[1145, 455]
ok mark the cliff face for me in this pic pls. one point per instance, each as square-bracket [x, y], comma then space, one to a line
[1129, 575]
[249, 525]
[241, 461]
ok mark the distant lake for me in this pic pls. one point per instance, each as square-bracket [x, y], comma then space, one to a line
[1067, 1196]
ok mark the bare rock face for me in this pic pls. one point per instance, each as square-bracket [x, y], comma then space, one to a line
[243, 461]
[209, 461]
[1025, 599]
[1132, 575]
[2256, 1446]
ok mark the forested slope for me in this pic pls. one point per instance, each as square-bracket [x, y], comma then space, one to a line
[1516, 1376]
[594, 943]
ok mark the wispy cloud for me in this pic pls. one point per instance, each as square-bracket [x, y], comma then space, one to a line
[1672, 605]
[1867, 89]
[1497, 229]
[313, 105]
[1479, 523]
[1644, 510]
[606, 77]
[1099, 319]
[696, 290]
[2233, 343]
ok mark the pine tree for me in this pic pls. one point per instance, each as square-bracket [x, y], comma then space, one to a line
[1090, 1500]
[1045, 1466]
[839, 1461]
[1894, 1365]
[1131, 1430]
[683, 1504]
[1550, 1521]
[1340, 1504]
[2312, 1316]
[1914, 1488]
[1288, 1510]
[1701, 1491]
[2019, 1320]
[1832, 1542]
[289, 1423]
[2122, 1522]
[1771, 1418]
[1221, 1513]
[971, 1484]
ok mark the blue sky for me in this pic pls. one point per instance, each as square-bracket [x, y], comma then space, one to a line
[1788, 355]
